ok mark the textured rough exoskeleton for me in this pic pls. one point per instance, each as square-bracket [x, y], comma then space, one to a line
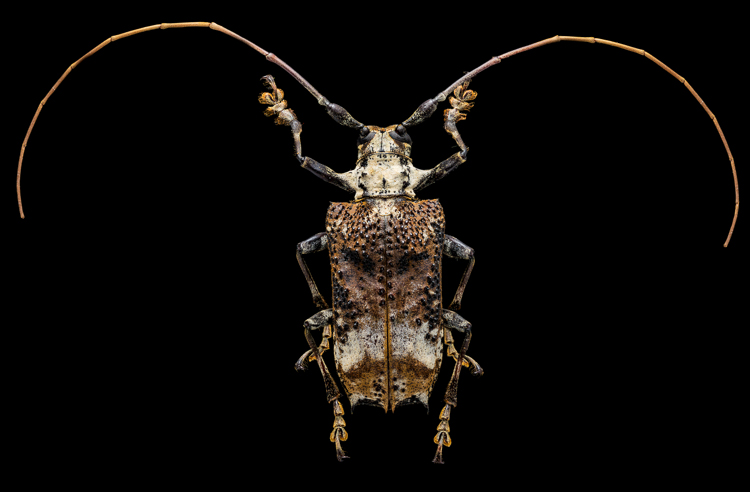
[387, 322]
[387, 299]
[386, 247]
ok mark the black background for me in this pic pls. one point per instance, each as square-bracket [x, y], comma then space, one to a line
[158, 305]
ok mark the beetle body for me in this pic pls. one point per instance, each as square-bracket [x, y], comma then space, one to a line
[387, 298]
[385, 253]
[488, 160]
[385, 250]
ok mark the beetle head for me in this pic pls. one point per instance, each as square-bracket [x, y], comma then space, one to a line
[392, 139]
[384, 167]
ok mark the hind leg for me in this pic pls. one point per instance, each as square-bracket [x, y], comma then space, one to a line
[323, 320]
[452, 320]
[320, 320]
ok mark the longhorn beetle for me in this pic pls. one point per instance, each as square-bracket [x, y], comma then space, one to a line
[378, 212]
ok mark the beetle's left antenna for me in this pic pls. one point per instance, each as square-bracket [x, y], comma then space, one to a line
[334, 110]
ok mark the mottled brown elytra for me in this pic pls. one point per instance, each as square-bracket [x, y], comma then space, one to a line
[387, 323]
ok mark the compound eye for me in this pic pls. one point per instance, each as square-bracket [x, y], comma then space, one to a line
[400, 135]
[365, 135]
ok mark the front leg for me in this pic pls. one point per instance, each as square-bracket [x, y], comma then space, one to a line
[452, 116]
[461, 102]
[423, 178]
[284, 115]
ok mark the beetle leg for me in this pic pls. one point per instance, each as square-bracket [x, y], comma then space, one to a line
[476, 369]
[308, 356]
[315, 322]
[315, 244]
[346, 181]
[321, 319]
[452, 352]
[451, 392]
[284, 115]
[424, 178]
[453, 248]
[453, 321]
[462, 102]
[339, 433]
[301, 364]
[332, 390]
[443, 438]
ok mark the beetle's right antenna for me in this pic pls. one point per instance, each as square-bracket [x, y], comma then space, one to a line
[427, 108]
[334, 110]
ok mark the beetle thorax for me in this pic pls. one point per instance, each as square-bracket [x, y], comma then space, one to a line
[384, 167]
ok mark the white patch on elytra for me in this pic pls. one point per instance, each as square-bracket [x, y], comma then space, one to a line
[412, 342]
[369, 343]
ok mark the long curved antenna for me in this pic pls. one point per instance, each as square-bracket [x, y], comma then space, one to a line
[335, 111]
[426, 109]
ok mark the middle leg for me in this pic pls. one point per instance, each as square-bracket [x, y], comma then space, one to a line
[453, 248]
[318, 242]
